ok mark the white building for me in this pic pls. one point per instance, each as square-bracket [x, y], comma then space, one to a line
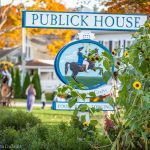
[114, 39]
[38, 59]
[48, 78]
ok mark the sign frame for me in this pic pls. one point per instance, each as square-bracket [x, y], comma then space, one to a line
[24, 16]
[57, 60]
[92, 104]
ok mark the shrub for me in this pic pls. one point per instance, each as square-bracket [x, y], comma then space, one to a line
[54, 138]
[50, 96]
[18, 120]
[8, 136]
[25, 85]
[37, 85]
[17, 88]
[59, 137]
[13, 77]
[24, 130]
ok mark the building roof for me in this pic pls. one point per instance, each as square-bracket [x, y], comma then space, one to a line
[37, 63]
[102, 32]
[5, 52]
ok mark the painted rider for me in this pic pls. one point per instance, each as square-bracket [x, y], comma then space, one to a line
[81, 59]
[6, 73]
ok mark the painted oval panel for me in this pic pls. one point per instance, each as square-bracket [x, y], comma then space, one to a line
[82, 62]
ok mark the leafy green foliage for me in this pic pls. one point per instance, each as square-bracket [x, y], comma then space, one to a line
[25, 85]
[37, 85]
[92, 94]
[17, 120]
[29, 133]
[13, 77]
[49, 96]
[133, 119]
[72, 102]
[17, 88]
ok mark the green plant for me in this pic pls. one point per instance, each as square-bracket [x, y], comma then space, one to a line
[18, 120]
[17, 88]
[49, 96]
[37, 84]
[25, 85]
[131, 118]
[13, 76]
[129, 126]
[8, 136]
[60, 137]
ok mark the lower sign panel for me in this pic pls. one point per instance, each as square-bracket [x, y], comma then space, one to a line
[100, 105]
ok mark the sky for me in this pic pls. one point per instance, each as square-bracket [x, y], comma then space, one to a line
[5, 2]
[67, 3]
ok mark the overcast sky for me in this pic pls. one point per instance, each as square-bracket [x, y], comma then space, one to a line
[67, 3]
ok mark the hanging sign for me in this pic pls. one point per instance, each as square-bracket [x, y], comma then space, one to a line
[82, 20]
[82, 62]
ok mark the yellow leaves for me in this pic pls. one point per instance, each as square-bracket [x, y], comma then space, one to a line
[2, 43]
[64, 36]
[14, 18]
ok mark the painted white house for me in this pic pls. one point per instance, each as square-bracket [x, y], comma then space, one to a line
[38, 59]
[114, 39]
[45, 68]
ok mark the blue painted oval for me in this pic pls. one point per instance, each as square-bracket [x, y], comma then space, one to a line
[60, 53]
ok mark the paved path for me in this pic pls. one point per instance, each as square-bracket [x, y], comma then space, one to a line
[36, 104]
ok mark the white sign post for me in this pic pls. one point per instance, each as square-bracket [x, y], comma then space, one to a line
[84, 21]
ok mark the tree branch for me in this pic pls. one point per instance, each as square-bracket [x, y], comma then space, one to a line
[3, 16]
[9, 29]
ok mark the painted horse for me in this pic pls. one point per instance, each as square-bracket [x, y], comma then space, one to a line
[75, 68]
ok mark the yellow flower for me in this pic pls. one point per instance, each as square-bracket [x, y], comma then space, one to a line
[114, 52]
[85, 123]
[137, 85]
[126, 54]
[7, 63]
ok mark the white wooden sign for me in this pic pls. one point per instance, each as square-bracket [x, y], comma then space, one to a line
[100, 91]
[99, 105]
[82, 20]
[86, 35]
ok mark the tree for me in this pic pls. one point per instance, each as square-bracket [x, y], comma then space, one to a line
[37, 85]
[17, 88]
[128, 6]
[10, 25]
[25, 85]
[13, 77]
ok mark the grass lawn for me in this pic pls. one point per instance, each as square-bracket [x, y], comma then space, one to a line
[24, 100]
[52, 117]
[87, 81]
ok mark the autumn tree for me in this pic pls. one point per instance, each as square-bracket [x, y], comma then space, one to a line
[10, 25]
[128, 6]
